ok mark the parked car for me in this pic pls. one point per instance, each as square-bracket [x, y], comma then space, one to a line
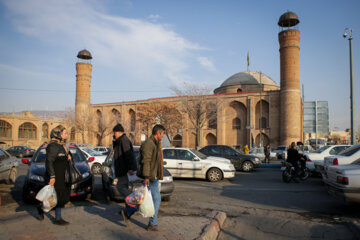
[8, 166]
[345, 157]
[34, 179]
[189, 163]
[344, 181]
[259, 153]
[95, 159]
[102, 150]
[319, 155]
[281, 151]
[21, 151]
[240, 161]
[107, 175]
[317, 143]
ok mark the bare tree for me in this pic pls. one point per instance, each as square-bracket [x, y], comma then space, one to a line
[159, 113]
[102, 126]
[82, 122]
[198, 106]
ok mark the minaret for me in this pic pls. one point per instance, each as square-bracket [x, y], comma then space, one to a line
[290, 95]
[83, 85]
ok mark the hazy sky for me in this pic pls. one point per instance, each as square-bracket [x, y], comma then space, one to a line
[141, 48]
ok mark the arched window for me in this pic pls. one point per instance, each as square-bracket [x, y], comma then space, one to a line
[262, 122]
[5, 129]
[72, 134]
[237, 123]
[45, 130]
[117, 116]
[27, 130]
[132, 120]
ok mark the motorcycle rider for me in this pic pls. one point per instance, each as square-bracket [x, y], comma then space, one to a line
[293, 158]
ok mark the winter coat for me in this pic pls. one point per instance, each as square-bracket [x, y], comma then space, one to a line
[124, 159]
[292, 155]
[56, 164]
[151, 164]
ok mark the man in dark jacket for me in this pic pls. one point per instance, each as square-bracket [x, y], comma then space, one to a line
[267, 153]
[124, 163]
[293, 158]
[151, 167]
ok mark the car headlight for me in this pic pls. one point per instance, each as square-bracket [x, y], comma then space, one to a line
[85, 175]
[37, 178]
[257, 160]
[167, 179]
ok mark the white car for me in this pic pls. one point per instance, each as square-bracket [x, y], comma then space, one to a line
[95, 159]
[281, 151]
[259, 152]
[319, 155]
[189, 163]
[344, 181]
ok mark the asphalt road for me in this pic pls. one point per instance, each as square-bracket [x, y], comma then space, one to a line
[258, 205]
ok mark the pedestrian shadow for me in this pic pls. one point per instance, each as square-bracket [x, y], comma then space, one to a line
[107, 212]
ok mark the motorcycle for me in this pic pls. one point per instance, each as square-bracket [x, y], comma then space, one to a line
[289, 171]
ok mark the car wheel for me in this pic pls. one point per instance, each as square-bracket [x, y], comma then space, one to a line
[12, 176]
[214, 175]
[96, 168]
[247, 166]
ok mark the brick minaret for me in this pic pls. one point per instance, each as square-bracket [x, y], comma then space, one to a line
[290, 95]
[83, 85]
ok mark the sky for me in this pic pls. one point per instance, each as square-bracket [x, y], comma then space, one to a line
[143, 48]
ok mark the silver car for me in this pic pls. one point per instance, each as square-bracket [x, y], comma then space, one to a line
[8, 166]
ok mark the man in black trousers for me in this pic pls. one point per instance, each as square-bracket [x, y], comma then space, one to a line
[124, 163]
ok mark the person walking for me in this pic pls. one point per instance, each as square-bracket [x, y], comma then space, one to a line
[267, 153]
[246, 149]
[124, 164]
[56, 163]
[151, 168]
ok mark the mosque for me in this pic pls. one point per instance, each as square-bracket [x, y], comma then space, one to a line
[251, 108]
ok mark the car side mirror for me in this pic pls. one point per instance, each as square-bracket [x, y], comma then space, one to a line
[25, 161]
[165, 162]
[196, 159]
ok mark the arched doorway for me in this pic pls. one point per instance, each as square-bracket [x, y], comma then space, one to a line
[235, 124]
[262, 115]
[177, 141]
[210, 139]
[263, 141]
[116, 115]
[45, 131]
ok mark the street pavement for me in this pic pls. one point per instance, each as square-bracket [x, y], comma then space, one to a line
[258, 206]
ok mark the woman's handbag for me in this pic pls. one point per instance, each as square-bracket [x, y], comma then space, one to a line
[72, 174]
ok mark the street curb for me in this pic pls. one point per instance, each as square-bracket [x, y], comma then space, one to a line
[212, 230]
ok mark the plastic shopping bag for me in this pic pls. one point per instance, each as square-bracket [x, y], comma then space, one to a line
[147, 209]
[136, 197]
[47, 196]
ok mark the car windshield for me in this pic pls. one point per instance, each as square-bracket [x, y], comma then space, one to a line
[322, 149]
[40, 156]
[91, 152]
[350, 151]
[199, 154]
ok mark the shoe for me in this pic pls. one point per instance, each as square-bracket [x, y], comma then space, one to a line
[124, 216]
[152, 228]
[40, 213]
[61, 222]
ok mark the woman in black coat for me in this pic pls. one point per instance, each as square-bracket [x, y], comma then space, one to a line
[57, 157]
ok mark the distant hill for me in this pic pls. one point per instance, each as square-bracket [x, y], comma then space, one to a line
[42, 114]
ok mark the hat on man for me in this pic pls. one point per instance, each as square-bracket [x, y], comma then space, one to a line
[118, 128]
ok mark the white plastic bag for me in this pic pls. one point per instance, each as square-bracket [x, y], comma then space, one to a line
[47, 196]
[147, 207]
